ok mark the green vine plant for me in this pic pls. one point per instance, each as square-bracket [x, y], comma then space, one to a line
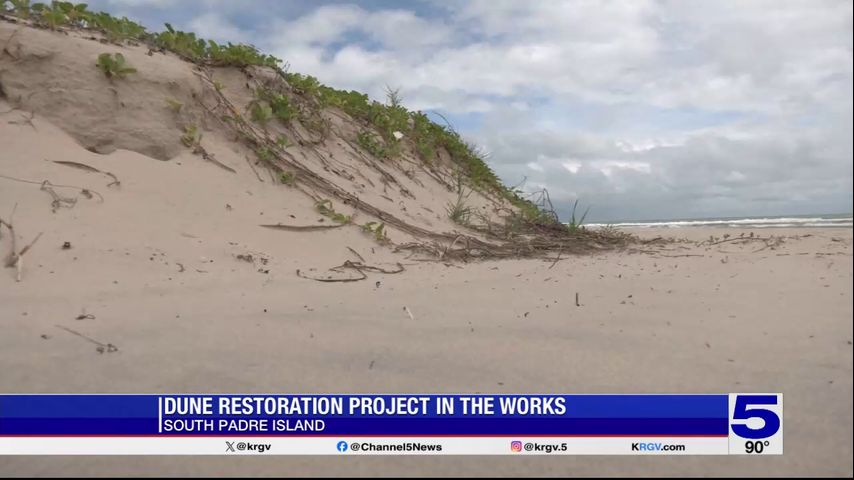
[282, 141]
[264, 154]
[117, 30]
[237, 55]
[370, 144]
[324, 207]
[288, 178]
[191, 138]
[76, 13]
[114, 65]
[174, 105]
[52, 16]
[20, 8]
[304, 84]
[280, 106]
[260, 112]
[377, 230]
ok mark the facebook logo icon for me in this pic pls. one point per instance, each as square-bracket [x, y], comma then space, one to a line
[342, 446]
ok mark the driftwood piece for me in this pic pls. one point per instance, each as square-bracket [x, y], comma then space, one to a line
[301, 228]
[332, 280]
[88, 168]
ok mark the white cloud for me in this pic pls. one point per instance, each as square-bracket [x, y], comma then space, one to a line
[572, 167]
[535, 167]
[684, 107]
[322, 26]
[609, 167]
[212, 25]
[735, 176]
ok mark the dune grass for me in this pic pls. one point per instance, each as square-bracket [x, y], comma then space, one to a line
[459, 212]
[576, 223]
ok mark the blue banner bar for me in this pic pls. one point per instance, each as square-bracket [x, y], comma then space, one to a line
[368, 415]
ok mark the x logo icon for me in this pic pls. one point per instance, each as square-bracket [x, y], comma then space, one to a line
[229, 446]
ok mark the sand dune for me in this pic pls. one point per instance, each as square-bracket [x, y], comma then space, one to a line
[169, 284]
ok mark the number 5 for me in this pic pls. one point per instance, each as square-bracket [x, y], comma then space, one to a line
[742, 412]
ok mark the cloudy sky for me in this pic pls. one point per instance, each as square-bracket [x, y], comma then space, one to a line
[641, 109]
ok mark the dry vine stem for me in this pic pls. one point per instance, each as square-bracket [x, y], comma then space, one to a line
[58, 201]
[302, 228]
[88, 168]
[16, 259]
[359, 267]
[86, 192]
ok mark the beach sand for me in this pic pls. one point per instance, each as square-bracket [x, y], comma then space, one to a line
[679, 318]
[160, 270]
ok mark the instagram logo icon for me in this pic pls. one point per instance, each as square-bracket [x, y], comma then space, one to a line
[515, 446]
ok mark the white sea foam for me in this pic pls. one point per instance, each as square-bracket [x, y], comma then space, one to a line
[758, 222]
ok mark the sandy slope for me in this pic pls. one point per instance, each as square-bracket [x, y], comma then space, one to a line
[776, 320]
[53, 74]
[682, 318]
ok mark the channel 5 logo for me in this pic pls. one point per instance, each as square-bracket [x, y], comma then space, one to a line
[515, 446]
[756, 423]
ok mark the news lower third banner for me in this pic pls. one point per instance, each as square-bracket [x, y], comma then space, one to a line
[391, 424]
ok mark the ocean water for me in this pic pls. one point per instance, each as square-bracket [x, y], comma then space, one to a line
[783, 221]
